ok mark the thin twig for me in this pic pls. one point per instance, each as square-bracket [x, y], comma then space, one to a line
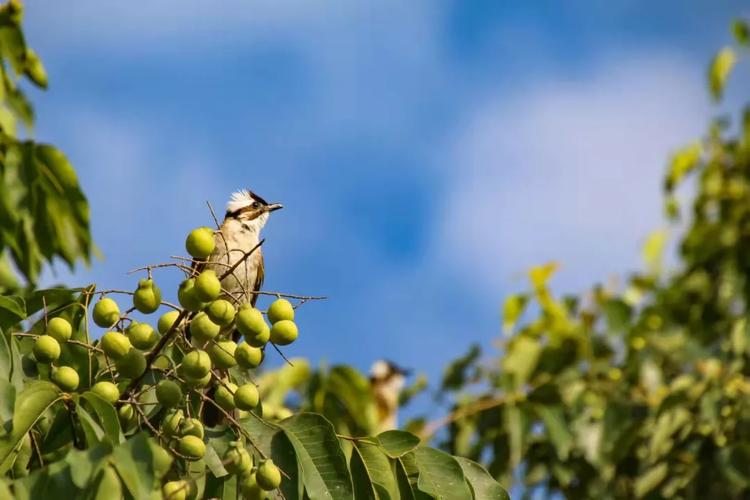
[479, 406]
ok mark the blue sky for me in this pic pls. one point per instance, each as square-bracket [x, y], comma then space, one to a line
[427, 153]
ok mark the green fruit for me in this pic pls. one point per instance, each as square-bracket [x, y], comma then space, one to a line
[224, 396]
[249, 320]
[246, 397]
[106, 313]
[202, 328]
[237, 460]
[199, 382]
[175, 490]
[147, 297]
[268, 475]
[280, 309]
[221, 312]
[284, 332]
[247, 356]
[126, 413]
[192, 447]
[142, 335]
[249, 487]
[200, 242]
[115, 344]
[66, 378]
[191, 427]
[107, 390]
[196, 364]
[59, 329]
[46, 349]
[222, 353]
[162, 459]
[207, 285]
[168, 393]
[132, 365]
[171, 423]
[166, 321]
[187, 296]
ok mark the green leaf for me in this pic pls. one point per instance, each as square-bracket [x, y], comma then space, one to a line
[521, 358]
[557, 429]
[91, 428]
[741, 31]
[362, 482]
[321, 459]
[273, 442]
[512, 310]
[440, 475]
[12, 310]
[378, 468]
[31, 403]
[134, 461]
[397, 443]
[719, 71]
[402, 479]
[109, 485]
[650, 479]
[482, 484]
[107, 416]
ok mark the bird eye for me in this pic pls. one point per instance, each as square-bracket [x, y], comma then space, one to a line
[256, 204]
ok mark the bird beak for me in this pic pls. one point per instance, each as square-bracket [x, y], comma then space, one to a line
[273, 206]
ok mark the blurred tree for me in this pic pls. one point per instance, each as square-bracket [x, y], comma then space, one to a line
[43, 212]
[635, 393]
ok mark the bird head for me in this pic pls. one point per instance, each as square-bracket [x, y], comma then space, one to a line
[249, 209]
[388, 374]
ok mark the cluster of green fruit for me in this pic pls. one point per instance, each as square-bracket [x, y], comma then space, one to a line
[163, 377]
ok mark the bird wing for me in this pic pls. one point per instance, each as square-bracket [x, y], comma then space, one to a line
[259, 275]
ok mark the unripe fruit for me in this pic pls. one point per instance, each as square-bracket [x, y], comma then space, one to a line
[175, 490]
[246, 397]
[107, 390]
[222, 353]
[106, 312]
[192, 447]
[249, 487]
[224, 396]
[171, 423]
[207, 285]
[202, 328]
[142, 335]
[187, 296]
[237, 460]
[147, 297]
[191, 427]
[66, 378]
[268, 475]
[166, 321]
[132, 365]
[198, 382]
[221, 312]
[247, 356]
[59, 329]
[280, 309]
[115, 344]
[46, 349]
[168, 393]
[126, 413]
[249, 320]
[200, 242]
[196, 364]
[284, 332]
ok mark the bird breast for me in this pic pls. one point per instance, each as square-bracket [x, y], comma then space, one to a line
[232, 243]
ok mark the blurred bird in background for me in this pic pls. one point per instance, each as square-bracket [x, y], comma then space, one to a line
[387, 380]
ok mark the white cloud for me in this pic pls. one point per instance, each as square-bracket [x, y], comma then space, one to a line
[569, 170]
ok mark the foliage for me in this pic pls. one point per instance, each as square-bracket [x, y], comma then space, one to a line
[127, 416]
[43, 212]
[639, 392]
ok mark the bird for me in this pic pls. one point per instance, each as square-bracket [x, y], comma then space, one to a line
[246, 215]
[387, 380]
